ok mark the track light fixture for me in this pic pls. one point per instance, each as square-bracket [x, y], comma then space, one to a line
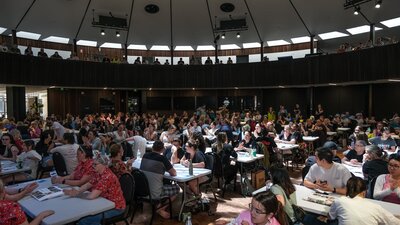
[378, 4]
[223, 36]
[117, 34]
[356, 10]
[102, 32]
[238, 34]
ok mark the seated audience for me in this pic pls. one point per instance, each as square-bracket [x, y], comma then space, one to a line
[91, 140]
[150, 133]
[44, 146]
[10, 149]
[355, 156]
[68, 151]
[354, 209]
[387, 186]
[104, 184]
[34, 130]
[11, 212]
[227, 155]
[83, 172]
[117, 165]
[326, 174]
[177, 151]
[374, 162]
[169, 135]
[154, 164]
[285, 136]
[384, 142]
[357, 135]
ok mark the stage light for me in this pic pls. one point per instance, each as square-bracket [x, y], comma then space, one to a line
[102, 32]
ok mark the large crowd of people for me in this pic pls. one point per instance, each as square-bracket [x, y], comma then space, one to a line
[97, 152]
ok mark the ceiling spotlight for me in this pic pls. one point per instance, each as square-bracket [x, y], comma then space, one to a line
[356, 10]
[102, 32]
[238, 35]
[223, 36]
[117, 34]
[378, 4]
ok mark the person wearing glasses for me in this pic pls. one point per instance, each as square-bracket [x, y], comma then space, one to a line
[387, 186]
[104, 184]
[263, 209]
[11, 151]
[355, 156]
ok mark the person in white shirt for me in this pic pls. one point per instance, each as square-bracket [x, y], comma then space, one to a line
[326, 174]
[68, 151]
[29, 158]
[355, 209]
[59, 130]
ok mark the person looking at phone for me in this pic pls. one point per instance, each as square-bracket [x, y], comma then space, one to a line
[327, 175]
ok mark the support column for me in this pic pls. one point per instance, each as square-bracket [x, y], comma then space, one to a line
[312, 44]
[75, 48]
[262, 51]
[16, 102]
[14, 37]
[370, 102]
[216, 52]
[372, 33]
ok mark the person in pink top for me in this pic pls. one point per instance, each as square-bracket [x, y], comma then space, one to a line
[387, 186]
[264, 209]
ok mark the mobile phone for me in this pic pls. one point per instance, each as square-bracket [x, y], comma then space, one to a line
[323, 181]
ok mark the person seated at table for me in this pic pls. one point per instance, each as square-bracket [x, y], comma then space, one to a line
[387, 186]
[177, 151]
[44, 146]
[149, 133]
[226, 153]
[355, 209]
[10, 149]
[378, 130]
[154, 164]
[374, 163]
[16, 134]
[104, 184]
[68, 151]
[246, 143]
[358, 134]
[34, 129]
[326, 174]
[319, 130]
[286, 136]
[264, 208]
[106, 142]
[384, 142]
[11, 212]
[284, 190]
[355, 156]
[91, 140]
[83, 172]
[117, 165]
[120, 134]
[29, 158]
[311, 160]
[15, 194]
[169, 135]
[198, 161]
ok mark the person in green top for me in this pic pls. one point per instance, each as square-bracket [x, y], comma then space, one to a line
[284, 190]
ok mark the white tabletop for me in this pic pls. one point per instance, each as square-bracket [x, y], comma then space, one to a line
[343, 128]
[182, 172]
[244, 157]
[331, 133]
[283, 146]
[356, 170]
[67, 209]
[310, 138]
[303, 192]
[9, 167]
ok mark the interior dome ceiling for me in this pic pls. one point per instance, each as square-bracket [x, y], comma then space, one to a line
[274, 19]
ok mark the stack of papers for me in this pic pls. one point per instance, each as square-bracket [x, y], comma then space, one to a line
[320, 199]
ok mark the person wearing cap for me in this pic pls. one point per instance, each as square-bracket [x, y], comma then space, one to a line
[327, 175]
[154, 164]
[334, 148]
[384, 142]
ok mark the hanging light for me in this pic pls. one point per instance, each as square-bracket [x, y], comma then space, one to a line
[238, 35]
[102, 32]
[378, 4]
[223, 36]
[356, 10]
[117, 34]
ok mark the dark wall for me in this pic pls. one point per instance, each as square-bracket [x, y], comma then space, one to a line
[386, 100]
[287, 97]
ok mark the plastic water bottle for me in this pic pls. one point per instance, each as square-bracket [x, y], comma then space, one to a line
[189, 220]
[138, 154]
[190, 170]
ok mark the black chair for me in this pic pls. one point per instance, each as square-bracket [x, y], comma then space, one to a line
[128, 188]
[43, 169]
[143, 194]
[208, 184]
[371, 188]
[59, 164]
[218, 172]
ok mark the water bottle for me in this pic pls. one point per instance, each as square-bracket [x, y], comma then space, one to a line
[190, 171]
[189, 219]
[138, 154]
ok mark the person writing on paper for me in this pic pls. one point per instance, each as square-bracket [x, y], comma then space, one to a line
[355, 209]
[263, 209]
[327, 175]
[104, 184]
[82, 173]
[11, 212]
[387, 186]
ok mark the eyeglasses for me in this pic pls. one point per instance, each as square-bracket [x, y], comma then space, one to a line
[395, 167]
[257, 211]
[5, 139]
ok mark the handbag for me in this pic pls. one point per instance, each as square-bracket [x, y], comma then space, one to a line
[299, 213]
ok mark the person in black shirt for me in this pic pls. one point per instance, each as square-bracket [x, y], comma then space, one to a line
[355, 156]
[374, 162]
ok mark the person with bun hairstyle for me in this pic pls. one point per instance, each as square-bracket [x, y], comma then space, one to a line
[374, 162]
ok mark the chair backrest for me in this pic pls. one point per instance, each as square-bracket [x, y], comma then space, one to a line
[59, 164]
[128, 187]
[371, 188]
[217, 166]
[210, 163]
[142, 190]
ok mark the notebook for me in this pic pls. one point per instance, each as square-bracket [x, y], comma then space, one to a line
[47, 193]
[320, 199]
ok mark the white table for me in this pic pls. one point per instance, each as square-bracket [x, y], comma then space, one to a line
[303, 192]
[286, 148]
[245, 157]
[67, 209]
[356, 170]
[343, 129]
[310, 140]
[9, 168]
[182, 176]
[331, 133]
